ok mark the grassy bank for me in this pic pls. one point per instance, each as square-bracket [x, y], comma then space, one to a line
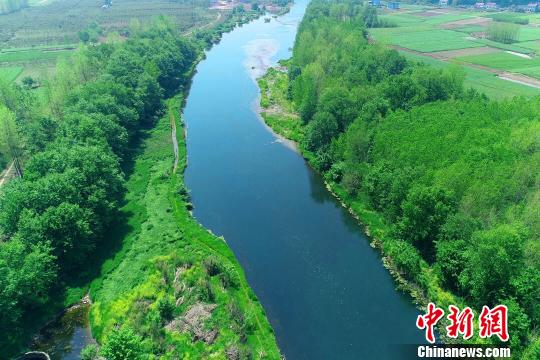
[170, 266]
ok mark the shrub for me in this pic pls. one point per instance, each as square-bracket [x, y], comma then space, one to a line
[212, 266]
[166, 308]
[405, 257]
[122, 344]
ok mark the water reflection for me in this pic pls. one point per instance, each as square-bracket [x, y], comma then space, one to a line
[65, 337]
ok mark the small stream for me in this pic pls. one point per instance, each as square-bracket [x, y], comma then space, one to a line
[66, 336]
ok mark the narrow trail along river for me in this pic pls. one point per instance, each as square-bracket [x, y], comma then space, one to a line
[323, 287]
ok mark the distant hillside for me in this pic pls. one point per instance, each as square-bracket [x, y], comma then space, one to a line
[7, 6]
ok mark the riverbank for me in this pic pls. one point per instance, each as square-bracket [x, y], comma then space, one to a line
[173, 280]
[279, 114]
[241, 324]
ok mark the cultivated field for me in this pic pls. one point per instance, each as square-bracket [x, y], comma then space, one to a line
[34, 38]
[442, 36]
[10, 73]
[60, 21]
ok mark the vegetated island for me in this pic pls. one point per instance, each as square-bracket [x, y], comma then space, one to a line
[444, 179]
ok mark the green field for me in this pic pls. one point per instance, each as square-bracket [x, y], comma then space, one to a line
[516, 47]
[426, 30]
[533, 45]
[399, 20]
[31, 55]
[59, 21]
[470, 29]
[441, 19]
[483, 81]
[528, 33]
[10, 73]
[501, 60]
[426, 40]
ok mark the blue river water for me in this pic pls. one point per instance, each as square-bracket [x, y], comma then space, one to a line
[323, 287]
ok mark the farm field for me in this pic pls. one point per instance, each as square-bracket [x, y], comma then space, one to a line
[481, 80]
[427, 40]
[450, 35]
[34, 38]
[59, 22]
[532, 45]
[501, 60]
[31, 55]
[10, 73]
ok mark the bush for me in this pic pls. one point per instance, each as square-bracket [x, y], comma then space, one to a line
[90, 352]
[212, 266]
[405, 257]
[227, 279]
[122, 344]
[166, 308]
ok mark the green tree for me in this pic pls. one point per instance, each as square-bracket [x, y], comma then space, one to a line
[425, 210]
[337, 101]
[26, 274]
[403, 92]
[321, 130]
[494, 258]
[10, 140]
[122, 344]
[370, 17]
[518, 325]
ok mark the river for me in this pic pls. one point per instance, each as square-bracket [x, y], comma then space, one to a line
[324, 289]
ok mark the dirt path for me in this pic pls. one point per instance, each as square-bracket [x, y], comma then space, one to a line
[211, 23]
[520, 79]
[174, 139]
[7, 174]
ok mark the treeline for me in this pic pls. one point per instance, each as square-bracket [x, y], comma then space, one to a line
[55, 216]
[503, 32]
[454, 174]
[7, 6]
[237, 16]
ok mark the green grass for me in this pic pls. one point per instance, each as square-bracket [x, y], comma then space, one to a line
[278, 112]
[425, 39]
[483, 81]
[41, 47]
[501, 60]
[533, 71]
[31, 55]
[471, 29]
[511, 47]
[161, 236]
[441, 19]
[400, 19]
[10, 73]
[528, 33]
[532, 45]
[508, 17]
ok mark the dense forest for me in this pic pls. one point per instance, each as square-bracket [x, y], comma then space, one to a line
[55, 216]
[446, 179]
